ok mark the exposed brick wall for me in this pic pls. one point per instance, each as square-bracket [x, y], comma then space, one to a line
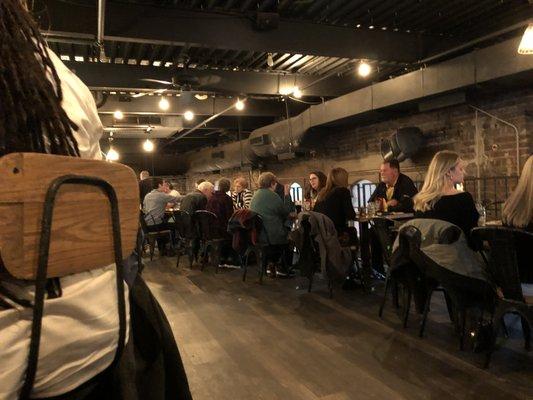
[454, 128]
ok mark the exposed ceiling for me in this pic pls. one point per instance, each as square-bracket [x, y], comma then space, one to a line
[221, 48]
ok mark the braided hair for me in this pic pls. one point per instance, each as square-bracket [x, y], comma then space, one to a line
[31, 116]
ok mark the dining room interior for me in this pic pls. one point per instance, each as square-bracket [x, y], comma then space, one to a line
[334, 198]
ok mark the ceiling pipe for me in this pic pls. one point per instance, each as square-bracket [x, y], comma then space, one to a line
[101, 25]
[474, 42]
[211, 118]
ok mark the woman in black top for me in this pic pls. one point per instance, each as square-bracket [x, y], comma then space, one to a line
[335, 201]
[438, 197]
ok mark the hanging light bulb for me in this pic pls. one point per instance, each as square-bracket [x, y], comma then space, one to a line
[296, 92]
[526, 44]
[164, 104]
[364, 69]
[270, 60]
[112, 155]
[188, 115]
[148, 145]
[239, 105]
[118, 114]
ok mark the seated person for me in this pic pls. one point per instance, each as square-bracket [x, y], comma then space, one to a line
[197, 199]
[273, 210]
[241, 196]
[439, 199]
[47, 109]
[155, 203]
[317, 181]
[221, 205]
[173, 191]
[395, 191]
[518, 213]
[335, 201]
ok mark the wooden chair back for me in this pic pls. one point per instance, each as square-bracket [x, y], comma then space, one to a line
[81, 232]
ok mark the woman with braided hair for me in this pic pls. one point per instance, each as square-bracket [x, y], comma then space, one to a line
[45, 108]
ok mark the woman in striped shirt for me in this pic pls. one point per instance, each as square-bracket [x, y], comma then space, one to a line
[241, 196]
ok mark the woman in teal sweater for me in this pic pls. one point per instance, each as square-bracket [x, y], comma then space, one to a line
[272, 209]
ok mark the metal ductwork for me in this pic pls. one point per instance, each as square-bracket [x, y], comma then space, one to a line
[227, 156]
[479, 66]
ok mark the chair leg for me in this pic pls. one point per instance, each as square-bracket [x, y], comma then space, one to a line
[407, 304]
[245, 265]
[178, 259]
[425, 314]
[496, 323]
[262, 265]
[330, 288]
[462, 314]
[151, 245]
[310, 282]
[384, 300]
[526, 330]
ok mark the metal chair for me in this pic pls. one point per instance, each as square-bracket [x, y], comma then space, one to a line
[461, 292]
[43, 247]
[210, 243]
[382, 229]
[185, 234]
[309, 261]
[502, 258]
[151, 237]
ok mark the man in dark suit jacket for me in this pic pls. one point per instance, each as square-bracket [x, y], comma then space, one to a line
[145, 185]
[396, 190]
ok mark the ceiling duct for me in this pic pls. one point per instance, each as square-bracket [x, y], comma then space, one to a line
[403, 144]
[228, 156]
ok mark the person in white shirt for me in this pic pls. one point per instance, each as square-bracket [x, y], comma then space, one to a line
[47, 109]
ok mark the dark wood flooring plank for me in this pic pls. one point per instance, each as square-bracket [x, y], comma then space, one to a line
[249, 341]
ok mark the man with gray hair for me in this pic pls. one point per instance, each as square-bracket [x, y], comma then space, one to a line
[197, 199]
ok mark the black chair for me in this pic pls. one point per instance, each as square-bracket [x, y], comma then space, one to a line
[185, 235]
[382, 229]
[499, 244]
[263, 252]
[210, 242]
[309, 260]
[151, 236]
[461, 292]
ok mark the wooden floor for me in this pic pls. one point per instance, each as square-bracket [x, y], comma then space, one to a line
[247, 341]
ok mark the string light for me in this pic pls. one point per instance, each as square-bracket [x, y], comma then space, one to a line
[188, 115]
[364, 69]
[296, 92]
[112, 155]
[526, 44]
[239, 105]
[148, 145]
[164, 104]
[118, 114]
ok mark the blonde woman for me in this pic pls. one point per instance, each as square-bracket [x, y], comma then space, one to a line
[518, 209]
[335, 200]
[439, 199]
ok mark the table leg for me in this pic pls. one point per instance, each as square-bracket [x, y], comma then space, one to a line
[366, 261]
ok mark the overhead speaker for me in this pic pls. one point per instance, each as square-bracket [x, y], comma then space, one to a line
[403, 144]
[265, 21]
